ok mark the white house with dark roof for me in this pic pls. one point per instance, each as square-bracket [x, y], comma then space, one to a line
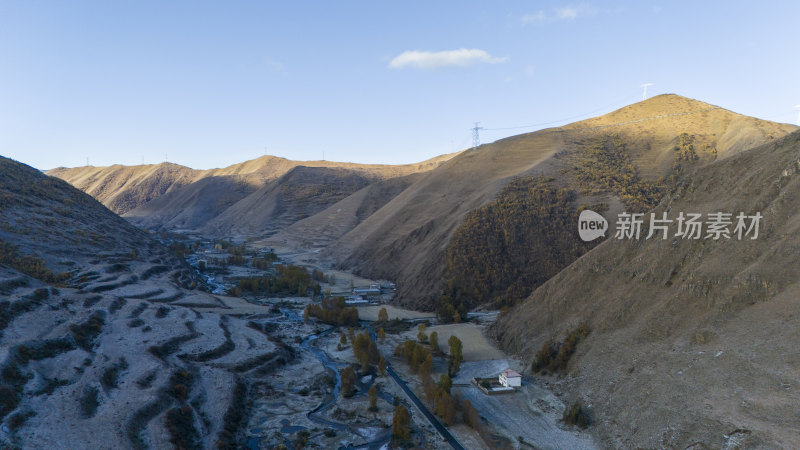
[510, 378]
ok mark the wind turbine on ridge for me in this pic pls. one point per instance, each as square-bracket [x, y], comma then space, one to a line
[644, 94]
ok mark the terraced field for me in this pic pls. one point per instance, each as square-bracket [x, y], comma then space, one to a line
[125, 344]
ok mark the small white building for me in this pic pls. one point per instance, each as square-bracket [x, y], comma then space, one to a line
[510, 378]
[373, 289]
[356, 300]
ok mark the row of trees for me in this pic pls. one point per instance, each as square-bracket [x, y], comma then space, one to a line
[332, 310]
[265, 261]
[447, 405]
[554, 356]
[367, 355]
[320, 277]
[420, 357]
[287, 280]
[438, 394]
[366, 352]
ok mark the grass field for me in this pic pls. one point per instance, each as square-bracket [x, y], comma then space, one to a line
[371, 313]
[476, 346]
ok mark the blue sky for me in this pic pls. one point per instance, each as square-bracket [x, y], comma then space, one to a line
[209, 84]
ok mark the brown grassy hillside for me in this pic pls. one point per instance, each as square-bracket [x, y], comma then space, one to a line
[300, 193]
[406, 239]
[693, 342]
[332, 223]
[192, 206]
[124, 188]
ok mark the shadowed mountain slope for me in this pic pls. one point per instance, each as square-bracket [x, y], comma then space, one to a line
[693, 341]
[327, 226]
[300, 193]
[192, 206]
[43, 217]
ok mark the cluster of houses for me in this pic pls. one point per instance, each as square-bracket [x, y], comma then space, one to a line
[366, 295]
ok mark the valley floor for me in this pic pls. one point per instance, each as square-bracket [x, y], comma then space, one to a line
[165, 366]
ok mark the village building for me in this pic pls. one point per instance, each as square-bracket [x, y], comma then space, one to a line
[510, 378]
[373, 289]
[356, 300]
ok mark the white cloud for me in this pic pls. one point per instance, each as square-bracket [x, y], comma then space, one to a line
[539, 17]
[557, 14]
[566, 13]
[529, 70]
[449, 58]
[274, 66]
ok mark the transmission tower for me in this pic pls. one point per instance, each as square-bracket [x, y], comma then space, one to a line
[476, 137]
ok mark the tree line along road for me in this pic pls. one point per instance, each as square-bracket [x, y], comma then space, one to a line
[443, 431]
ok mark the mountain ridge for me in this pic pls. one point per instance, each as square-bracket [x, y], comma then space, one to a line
[406, 238]
[123, 188]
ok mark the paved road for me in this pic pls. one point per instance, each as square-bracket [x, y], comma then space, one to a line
[431, 418]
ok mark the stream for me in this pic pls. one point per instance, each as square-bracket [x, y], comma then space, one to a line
[316, 415]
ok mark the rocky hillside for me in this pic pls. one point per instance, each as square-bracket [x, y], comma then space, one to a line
[47, 226]
[651, 144]
[692, 342]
